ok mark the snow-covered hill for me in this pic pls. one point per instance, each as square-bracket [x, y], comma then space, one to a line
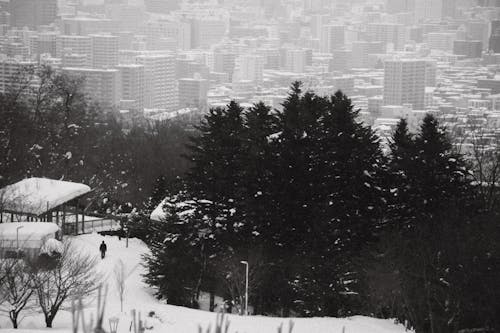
[178, 319]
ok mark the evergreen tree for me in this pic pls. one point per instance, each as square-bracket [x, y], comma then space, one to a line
[442, 172]
[215, 154]
[433, 200]
[347, 170]
[430, 174]
[176, 259]
[403, 156]
[215, 175]
[302, 187]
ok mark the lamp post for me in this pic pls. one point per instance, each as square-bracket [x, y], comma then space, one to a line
[17, 236]
[244, 262]
[113, 324]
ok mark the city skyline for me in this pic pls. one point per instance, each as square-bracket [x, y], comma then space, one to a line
[157, 57]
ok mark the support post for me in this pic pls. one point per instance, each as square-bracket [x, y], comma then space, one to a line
[76, 217]
[83, 221]
[63, 224]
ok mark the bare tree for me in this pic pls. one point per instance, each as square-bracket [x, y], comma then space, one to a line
[16, 289]
[234, 276]
[73, 275]
[120, 277]
[482, 149]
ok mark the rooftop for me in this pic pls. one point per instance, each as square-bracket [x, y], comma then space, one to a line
[26, 230]
[36, 196]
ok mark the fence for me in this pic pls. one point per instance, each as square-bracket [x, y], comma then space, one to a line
[91, 225]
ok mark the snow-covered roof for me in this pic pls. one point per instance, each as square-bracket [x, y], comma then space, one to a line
[27, 230]
[52, 245]
[183, 209]
[36, 196]
[158, 213]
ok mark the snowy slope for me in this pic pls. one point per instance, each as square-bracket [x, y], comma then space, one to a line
[178, 319]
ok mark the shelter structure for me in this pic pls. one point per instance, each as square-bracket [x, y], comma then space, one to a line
[28, 238]
[45, 200]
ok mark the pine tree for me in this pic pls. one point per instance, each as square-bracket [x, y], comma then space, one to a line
[441, 171]
[303, 187]
[347, 171]
[176, 260]
[257, 202]
[431, 175]
[403, 155]
[431, 201]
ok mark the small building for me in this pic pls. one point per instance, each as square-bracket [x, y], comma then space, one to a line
[28, 238]
[49, 200]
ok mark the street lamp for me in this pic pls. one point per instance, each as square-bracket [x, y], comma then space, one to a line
[113, 324]
[17, 235]
[244, 262]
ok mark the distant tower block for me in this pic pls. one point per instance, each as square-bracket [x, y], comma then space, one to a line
[404, 82]
[495, 37]
[32, 13]
[332, 38]
[161, 6]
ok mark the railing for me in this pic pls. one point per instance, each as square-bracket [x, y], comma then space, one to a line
[90, 226]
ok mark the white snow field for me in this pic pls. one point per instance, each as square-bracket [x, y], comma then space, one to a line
[173, 318]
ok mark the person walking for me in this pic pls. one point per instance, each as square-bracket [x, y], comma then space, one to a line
[103, 248]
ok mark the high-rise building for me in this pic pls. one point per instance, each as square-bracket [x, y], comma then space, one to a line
[317, 23]
[88, 25]
[399, 6]
[75, 60]
[10, 69]
[130, 18]
[428, 10]
[361, 51]
[441, 40]
[161, 6]
[224, 62]
[332, 38]
[478, 30]
[159, 81]
[207, 32]
[186, 68]
[102, 85]
[404, 82]
[193, 92]
[494, 45]
[344, 83]
[314, 5]
[341, 61]
[468, 48]
[388, 33]
[271, 57]
[296, 60]
[13, 47]
[430, 72]
[104, 50]
[32, 13]
[178, 31]
[132, 85]
[492, 84]
[4, 18]
[249, 67]
[44, 42]
[449, 9]
[74, 45]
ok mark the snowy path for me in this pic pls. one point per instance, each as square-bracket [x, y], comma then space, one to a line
[178, 319]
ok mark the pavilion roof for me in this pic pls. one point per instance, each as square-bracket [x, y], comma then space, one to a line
[36, 196]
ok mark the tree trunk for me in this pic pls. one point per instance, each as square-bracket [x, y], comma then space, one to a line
[48, 321]
[212, 301]
[13, 318]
